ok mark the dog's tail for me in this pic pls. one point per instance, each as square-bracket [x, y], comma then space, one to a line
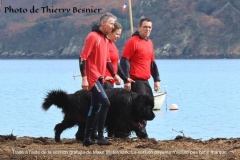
[55, 97]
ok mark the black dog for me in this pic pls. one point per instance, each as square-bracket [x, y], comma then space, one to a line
[126, 110]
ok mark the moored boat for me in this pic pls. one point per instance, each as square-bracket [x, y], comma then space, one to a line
[159, 98]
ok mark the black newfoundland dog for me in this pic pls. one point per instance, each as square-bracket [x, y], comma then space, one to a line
[127, 109]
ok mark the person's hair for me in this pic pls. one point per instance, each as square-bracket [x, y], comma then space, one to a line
[117, 26]
[144, 19]
[106, 16]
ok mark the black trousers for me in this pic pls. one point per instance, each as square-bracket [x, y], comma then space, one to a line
[141, 86]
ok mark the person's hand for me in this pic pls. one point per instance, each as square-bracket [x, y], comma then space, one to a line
[129, 80]
[108, 78]
[117, 80]
[85, 83]
[156, 86]
[127, 86]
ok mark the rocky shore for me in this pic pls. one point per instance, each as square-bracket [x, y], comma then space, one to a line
[12, 147]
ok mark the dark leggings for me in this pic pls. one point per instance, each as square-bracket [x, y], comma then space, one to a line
[98, 99]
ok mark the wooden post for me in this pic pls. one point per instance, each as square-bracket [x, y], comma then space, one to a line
[0, 6]
[130, 15]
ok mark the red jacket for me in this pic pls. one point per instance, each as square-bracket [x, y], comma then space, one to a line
[96, 54]
[113, 51]
[140, 54]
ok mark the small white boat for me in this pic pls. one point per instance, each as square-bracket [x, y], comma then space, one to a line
[159, 98]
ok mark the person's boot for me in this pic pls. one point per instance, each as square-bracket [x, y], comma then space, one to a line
[91, 119]
[94, 134]
[102, 141]
[101, 123]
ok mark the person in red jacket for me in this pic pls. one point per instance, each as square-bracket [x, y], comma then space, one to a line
[138, 61]
[113, 36]
[114, 56]
[93, 62]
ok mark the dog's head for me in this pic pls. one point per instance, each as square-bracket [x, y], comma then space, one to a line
[143, 107]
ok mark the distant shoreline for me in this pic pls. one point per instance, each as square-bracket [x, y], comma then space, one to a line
[76, 57]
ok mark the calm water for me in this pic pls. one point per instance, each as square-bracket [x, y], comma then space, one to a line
[206, 91]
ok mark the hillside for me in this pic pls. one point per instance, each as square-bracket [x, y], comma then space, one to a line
[181, 28]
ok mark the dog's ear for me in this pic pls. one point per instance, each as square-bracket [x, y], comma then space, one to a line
[151, 100]
[140, 98]
[148, 100]
[144, 100]
[144, 104]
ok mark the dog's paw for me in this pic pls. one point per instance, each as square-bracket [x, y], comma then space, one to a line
[57, 139]
[80, 138]
[141, 132]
